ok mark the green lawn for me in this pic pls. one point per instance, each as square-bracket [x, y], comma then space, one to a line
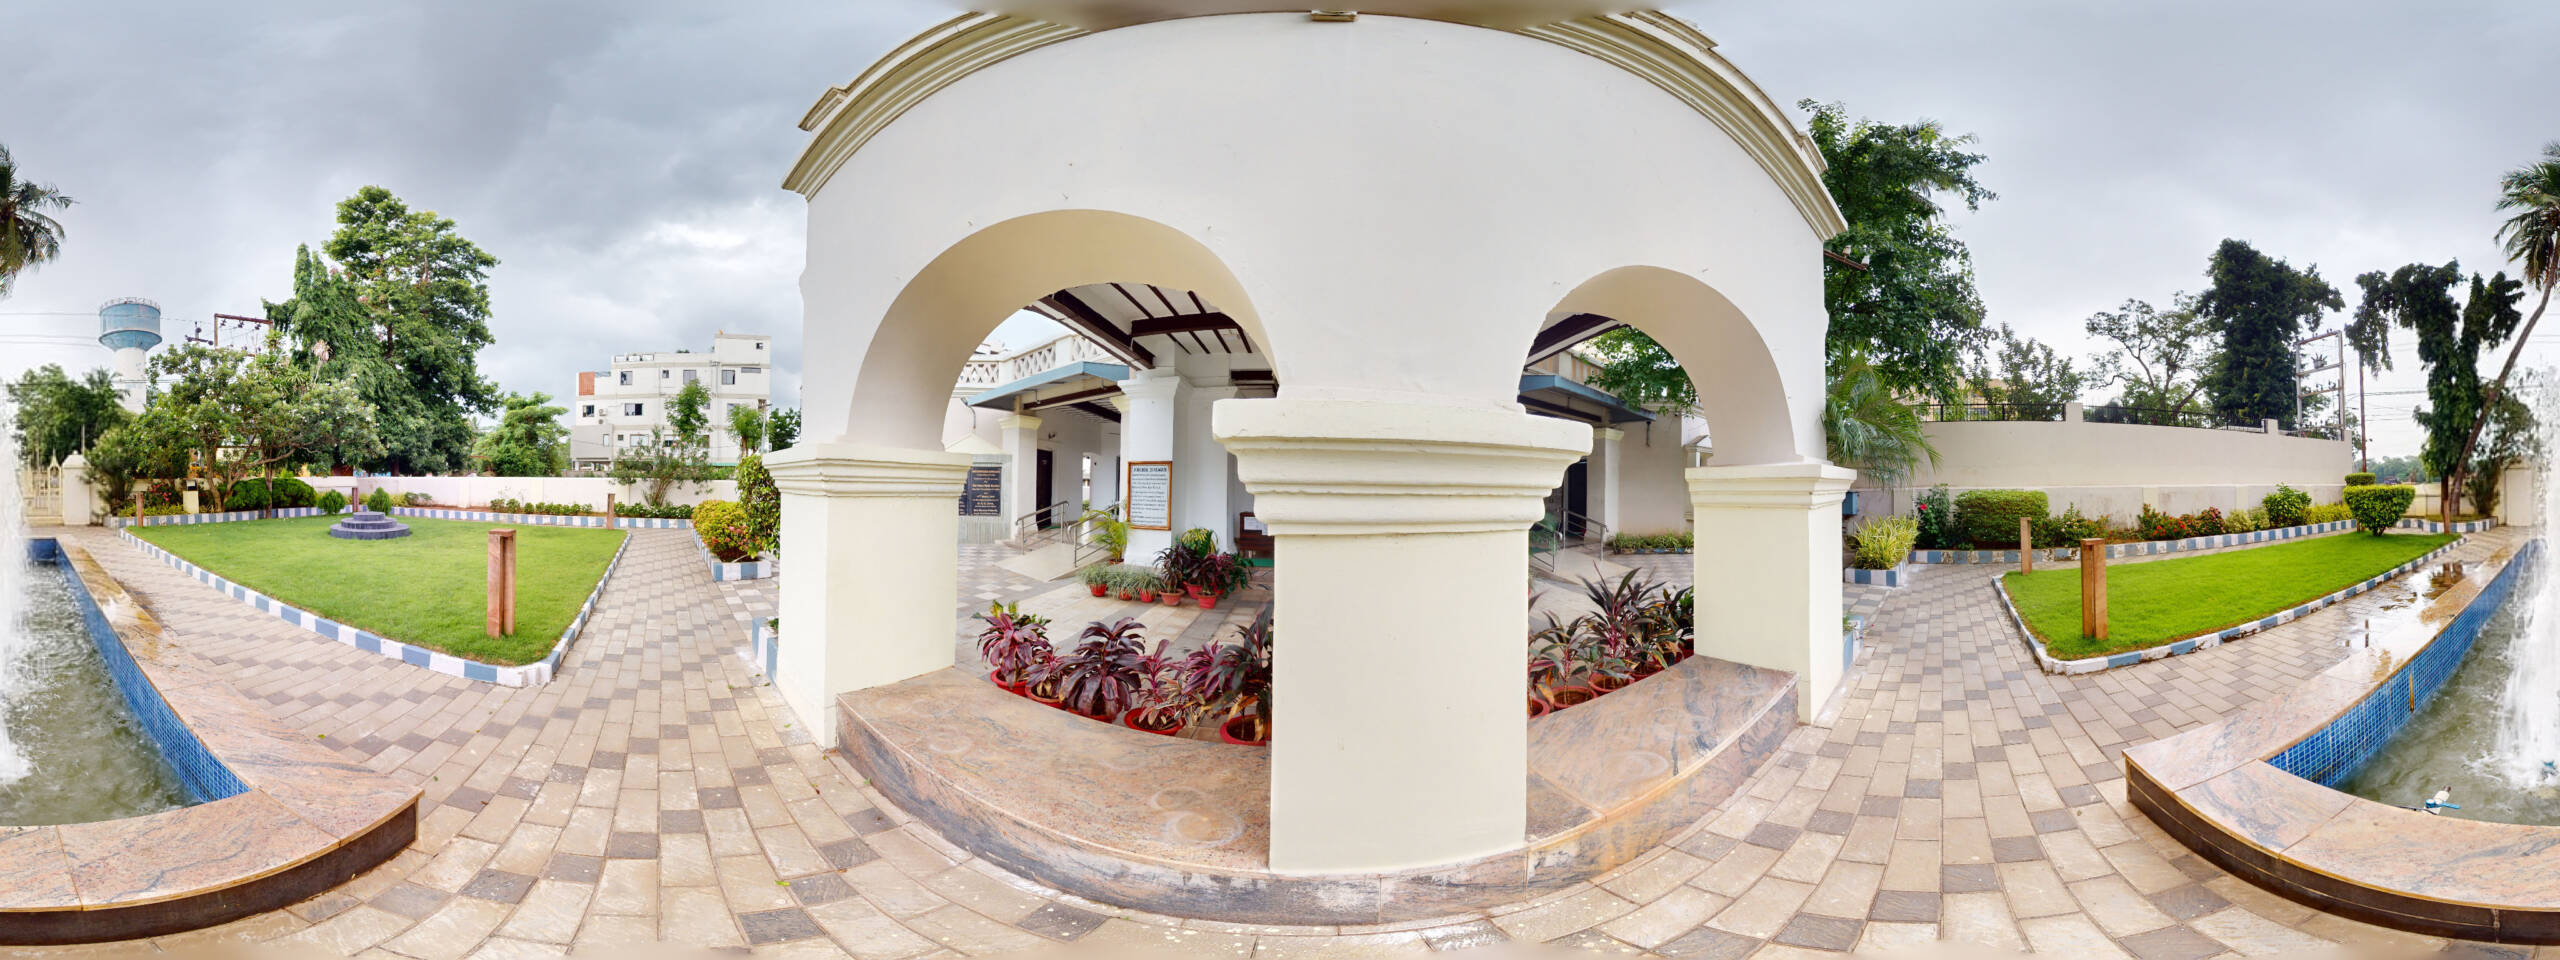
[430, 588]
[2152, 603]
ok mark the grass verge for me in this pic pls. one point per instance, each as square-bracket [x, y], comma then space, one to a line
[430, 588]
[2149, 604]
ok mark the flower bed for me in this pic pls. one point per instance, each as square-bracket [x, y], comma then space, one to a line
[2144, 548]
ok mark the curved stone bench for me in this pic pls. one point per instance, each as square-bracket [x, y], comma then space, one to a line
[1182, 827]
[306, 821]
[2224, 790]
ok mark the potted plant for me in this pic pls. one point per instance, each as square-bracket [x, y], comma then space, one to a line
[1147, 587]
[1232, 677]
[1159, 703]
[1623, 625]
[1013, 643]
[1125, 579]
[1096, 679]
[1096, 578]
[1043, 685]
[1172, 597]
[1109, 532]
[1556, 661]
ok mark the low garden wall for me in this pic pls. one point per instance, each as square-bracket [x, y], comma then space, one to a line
[2113, 469]
[541, 519]
[477, 491]
[2148, 548]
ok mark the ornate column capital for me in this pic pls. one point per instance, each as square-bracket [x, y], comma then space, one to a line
[1353, 467]
[1607, 434]
[1018, 421]
[864, 470]
[1770, 486]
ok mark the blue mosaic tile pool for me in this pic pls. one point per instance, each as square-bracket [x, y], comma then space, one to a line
[205, 777]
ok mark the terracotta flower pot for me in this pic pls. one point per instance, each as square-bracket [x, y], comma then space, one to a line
[1130, 720]
[1602, 685]
[1537, 708]
[1146, 596]
[1172, 599]
[1046, 693]
[1099, 590]
[1564, 697]
[1207, 600]
[1237, 727]
[1647, 670]
[1191, 590]
[1012, 688]
[1124, 595]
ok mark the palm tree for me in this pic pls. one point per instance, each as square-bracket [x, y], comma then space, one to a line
[27, 236]
[2532, 238]
[1868, 429]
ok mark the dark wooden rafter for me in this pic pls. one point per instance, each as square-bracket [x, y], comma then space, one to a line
[1169, 309]
[1253, 376]
[1168, 326]
[1069, 398]
[1086, 320]
[1567, 332]
[1102, 410]
[1143, 311]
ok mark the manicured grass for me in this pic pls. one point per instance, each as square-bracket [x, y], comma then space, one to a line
[2152, 603]
[430, 588]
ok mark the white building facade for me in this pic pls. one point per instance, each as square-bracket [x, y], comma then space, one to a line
[623, 408]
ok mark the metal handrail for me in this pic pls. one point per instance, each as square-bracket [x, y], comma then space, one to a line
[1027, 526]
[1552, 532]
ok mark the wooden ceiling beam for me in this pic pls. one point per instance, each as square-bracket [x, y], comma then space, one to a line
[1100, 329]
[1571, 330]
[1190, 323]
[1076, 397]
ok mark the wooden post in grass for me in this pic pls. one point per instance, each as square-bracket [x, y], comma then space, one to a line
[2093, 588]
[608, 511]
[2026, 547]
[502, 582]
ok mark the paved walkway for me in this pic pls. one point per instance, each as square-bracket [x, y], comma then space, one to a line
[651, 794]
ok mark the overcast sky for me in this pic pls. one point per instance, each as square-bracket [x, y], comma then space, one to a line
[624, 158]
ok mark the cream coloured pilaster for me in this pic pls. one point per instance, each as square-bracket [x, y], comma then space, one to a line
[1020, 436]
[874, 571]
[1601, 478]
[1148, 417]
[1401, 558]
[1201, 466]
[1768, 571]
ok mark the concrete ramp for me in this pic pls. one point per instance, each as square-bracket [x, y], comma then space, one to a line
[1046, 563]
[1575, 566]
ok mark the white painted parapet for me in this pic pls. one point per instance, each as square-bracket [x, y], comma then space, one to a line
[1768, 541]
[1400, 601]
[874, 570]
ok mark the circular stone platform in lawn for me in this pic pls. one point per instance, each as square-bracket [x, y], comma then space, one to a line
[368, 525]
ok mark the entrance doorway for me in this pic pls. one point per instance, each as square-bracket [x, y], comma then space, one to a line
[1047, 486]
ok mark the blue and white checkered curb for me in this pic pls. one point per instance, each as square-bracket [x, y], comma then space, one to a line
[531, 674]
[2202, 641]
[2148, 548]
[541, 519]
[235, 516]
[742, 570]
[2437, 526]
[763, 653]
[1896, 577]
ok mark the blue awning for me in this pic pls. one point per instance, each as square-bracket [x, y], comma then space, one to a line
[1001, 398]
[1539, 390]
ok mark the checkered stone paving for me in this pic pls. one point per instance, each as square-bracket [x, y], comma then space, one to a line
[653, 792]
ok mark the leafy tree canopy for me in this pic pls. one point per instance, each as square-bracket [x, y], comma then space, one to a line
[28, 235]
[2260, 304]
[1914, 311]
[2419, 298]
[686, 417]
[2160, 360]
[528, 440]
[402, 315]
[2021, 372]
[783, 429]
[58, 415]
[748, 425]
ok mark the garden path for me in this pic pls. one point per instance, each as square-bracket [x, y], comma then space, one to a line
[650, 793]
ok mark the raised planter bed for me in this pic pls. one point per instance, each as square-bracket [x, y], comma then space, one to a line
[1897, 577]
[2147, 548]
[758, 569]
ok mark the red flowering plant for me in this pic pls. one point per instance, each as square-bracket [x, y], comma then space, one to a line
[725, 531]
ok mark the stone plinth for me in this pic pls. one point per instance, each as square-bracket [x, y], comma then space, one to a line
[368, 525]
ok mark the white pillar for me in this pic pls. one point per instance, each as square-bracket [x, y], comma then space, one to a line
[1147, 433]
[1106, 465]
[78, 500]
[1601, 480]
[874, 572]
[1401, 607]
[1020, 435]
[1768, 571]
[1200, 466]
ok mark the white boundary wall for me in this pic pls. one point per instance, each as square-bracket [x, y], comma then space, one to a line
[478, 491]
[2113, 469]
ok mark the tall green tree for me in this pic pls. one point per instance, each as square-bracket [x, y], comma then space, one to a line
[528, 440]
[2531, 234]
[195, 411]
[747, 424]
[59, 416]
[2023, 378]
[402, 313]
[2419, 298]
[687, 415]
[1912, 312]
[2160, 360]
[284, 418]
[2260, 304]
[29, 236]
[783, 429]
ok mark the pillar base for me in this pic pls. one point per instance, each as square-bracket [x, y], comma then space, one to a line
[1768, 578]
[874, 573]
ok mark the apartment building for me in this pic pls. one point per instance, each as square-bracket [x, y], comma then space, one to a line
[623, 408]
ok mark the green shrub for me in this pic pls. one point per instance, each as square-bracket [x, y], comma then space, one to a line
[1885, 542]
[379, 501]
[1989, 518]
[416, 498]
[761, 501]
[1936, 511]
[2155, 525]
[723, 528]
[2377, 508]
[2360, 479]
[2068, 529]
[2328, 513]
[331, 502]
[668, 512]
[2245, 520]
[2208, 523]
[2287, 507]
[246, 495]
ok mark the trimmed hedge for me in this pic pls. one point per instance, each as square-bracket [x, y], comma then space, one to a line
[379, 501]
[1989, 518]
[2377, 508]
[246, 495]
[723, 528]
[2287, 507]
[2360, 480]
[331, 502]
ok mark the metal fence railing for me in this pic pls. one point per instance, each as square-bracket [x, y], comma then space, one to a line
[2046, 412]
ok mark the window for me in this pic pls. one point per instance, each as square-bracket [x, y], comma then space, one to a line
[759, 344]
[587, 411]
[692, 375]
[631, 409]
[733, 409]
[751, 371]
[664, 374]
[626, 378]
[729, 377]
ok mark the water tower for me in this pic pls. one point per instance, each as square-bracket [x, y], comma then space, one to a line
[130, 327]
